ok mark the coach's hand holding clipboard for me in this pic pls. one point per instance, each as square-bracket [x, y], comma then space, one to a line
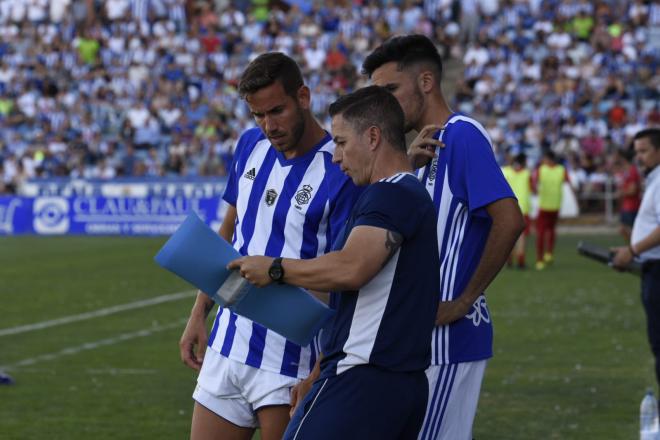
[200, 256]
[621, 259]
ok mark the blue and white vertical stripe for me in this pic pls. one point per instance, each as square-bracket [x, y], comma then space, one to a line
[452, 221]
[454, 216]
[453, 397]
[461, 181]
[283, 209]
[439, 394]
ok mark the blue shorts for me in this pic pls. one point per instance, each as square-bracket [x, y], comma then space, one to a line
[363, 402]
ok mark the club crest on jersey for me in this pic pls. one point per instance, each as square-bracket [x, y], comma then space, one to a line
[271, 196]
[304, 195]
[251, 174]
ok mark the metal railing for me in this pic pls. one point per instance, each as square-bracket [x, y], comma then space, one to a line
[600, 199]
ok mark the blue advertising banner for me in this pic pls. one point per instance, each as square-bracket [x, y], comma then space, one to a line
[100, 215]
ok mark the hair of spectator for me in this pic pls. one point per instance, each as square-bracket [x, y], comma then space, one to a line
[406, 51]
[628, 154]
[652, 133]
[268, 68]
[520, 159]
[549, 154]
[373, 106]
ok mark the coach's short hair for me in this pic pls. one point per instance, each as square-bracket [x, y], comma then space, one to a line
[652, 133]
[373, 106]
[406, 51]
[268, 68]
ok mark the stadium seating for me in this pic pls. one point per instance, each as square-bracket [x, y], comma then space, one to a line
[148, 88]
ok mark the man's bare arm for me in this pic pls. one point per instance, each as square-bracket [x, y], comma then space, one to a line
[507, 225]
[366, 252]
[194, 338]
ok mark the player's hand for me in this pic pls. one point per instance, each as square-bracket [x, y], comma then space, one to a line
[253, 269]
[298, 393]
[193, 342]
[451, 311]
[622, 257]
[422, 148]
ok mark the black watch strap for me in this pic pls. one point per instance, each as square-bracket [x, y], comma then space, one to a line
[276, 271]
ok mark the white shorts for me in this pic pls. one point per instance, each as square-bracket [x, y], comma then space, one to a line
[235, 391]
[453, 397]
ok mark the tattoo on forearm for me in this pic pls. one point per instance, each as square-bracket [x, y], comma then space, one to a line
[393, 242]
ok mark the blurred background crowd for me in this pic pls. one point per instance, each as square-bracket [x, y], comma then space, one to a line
[147, 88]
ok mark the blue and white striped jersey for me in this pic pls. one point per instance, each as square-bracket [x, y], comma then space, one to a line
[289, 208]
[462, 180]
[388, 322]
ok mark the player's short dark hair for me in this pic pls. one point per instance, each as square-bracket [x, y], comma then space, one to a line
[268, 68]
[652, 133]
[373, 106]
[406, 51]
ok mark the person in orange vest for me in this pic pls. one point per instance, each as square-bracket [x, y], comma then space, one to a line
[550, 177]
[520, 180]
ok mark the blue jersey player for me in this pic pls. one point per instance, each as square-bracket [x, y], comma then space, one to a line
[383, 273]
[286, 199]
[478, 223]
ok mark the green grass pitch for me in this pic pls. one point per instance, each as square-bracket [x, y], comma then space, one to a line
[571, 357]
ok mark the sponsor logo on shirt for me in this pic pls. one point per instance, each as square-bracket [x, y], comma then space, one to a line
[271, 196]
[251, 174]
[434, 169]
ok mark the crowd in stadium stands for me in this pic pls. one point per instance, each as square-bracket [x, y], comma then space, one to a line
[147, 88]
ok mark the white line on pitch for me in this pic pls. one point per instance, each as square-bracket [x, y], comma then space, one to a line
[94, 345]
[95, 314]
[120, 371]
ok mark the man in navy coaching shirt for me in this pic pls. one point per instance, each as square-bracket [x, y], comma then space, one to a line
[383, 275]
[479, 221]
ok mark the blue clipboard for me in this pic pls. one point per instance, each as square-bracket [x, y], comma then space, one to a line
[199, 255]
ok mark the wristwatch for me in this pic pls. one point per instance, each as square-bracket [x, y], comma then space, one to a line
[276, 271]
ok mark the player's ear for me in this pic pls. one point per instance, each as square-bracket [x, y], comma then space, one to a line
[304, 97]
[374, 136]
[426, 80]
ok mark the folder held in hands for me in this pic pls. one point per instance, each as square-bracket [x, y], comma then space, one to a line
[200, 256]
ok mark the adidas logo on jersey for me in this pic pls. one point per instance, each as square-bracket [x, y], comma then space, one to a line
[251, 174]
